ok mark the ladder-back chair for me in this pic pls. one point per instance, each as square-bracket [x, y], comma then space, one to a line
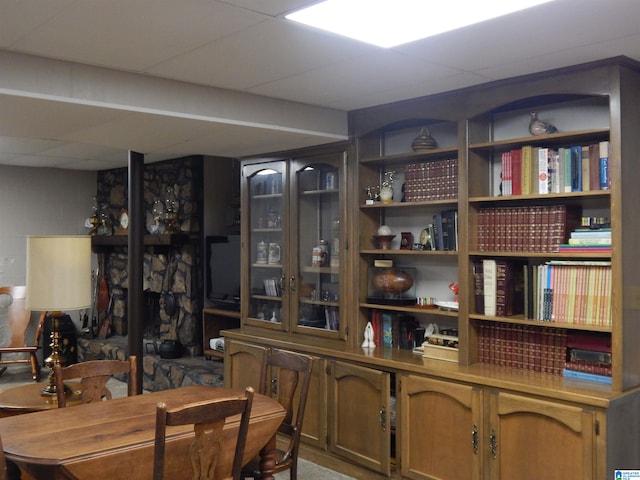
[19, 319]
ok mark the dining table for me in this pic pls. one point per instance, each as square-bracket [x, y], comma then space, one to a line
[115, 438]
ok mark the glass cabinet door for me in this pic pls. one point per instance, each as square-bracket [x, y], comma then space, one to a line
[266, 244]
[316, 185]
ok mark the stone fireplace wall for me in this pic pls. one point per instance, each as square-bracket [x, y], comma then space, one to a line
[170, 271]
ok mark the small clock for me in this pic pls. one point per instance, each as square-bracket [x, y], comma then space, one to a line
[123, 220]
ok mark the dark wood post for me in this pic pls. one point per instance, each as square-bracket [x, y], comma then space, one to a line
[135, 300]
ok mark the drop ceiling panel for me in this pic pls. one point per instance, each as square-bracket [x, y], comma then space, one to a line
[271, 50]
[132, 35]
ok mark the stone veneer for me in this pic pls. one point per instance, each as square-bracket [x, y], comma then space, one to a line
[185, 259]
[158, 373]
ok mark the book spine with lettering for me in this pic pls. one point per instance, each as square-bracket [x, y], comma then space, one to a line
[594, 166]
[437, 230]
[543, 171]
[576, 169]
[509, 288]
[565, 155]
[554, 171]
[586, 170]
[449, 229]
[489, 282]
[516, 172]
[478, 284]
[527, 152]
[605, 182]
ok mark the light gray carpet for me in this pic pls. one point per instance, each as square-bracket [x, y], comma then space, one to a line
[19, 375]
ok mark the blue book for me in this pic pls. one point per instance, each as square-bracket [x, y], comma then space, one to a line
[604, 165]
[387, 330]
[576, 169]
[591, 377]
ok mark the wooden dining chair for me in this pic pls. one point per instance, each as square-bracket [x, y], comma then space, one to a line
[19, 319]
[4, 475]
[285, 377]
[94, 375]
[208, 419]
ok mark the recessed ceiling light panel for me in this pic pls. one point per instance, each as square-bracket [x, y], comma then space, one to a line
[388, 23]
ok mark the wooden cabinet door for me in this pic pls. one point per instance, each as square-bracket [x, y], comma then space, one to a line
[440, 429]
[242, 364]
[359, 416]
[314, 425]
[531, 439]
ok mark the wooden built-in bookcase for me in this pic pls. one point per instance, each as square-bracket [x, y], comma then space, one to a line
[500, 417]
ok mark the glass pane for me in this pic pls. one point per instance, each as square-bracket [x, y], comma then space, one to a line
[318, 246]
[266, 245]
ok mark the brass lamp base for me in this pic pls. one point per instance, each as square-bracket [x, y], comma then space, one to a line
[55, 358]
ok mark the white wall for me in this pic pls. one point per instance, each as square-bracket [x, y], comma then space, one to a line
[39, 201]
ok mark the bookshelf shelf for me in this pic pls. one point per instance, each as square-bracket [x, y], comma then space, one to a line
[402, 205]
[540, 140]
[520, 320]
[402, 158]
[445, 253]
[412, 310]
[553, 197]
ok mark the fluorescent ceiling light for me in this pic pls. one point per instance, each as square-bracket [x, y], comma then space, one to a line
[388, 23]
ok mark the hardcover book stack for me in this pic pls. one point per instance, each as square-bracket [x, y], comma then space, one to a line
[525, 347]
[442, 345]
[591, 240]
[539, 228]
[437, 180]
[541, 170]
[588, 357]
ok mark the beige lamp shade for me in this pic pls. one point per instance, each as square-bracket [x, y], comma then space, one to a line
[58, 273]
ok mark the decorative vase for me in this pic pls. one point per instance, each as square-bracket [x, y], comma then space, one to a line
[424, 141]
[383, 242]
[386, 194]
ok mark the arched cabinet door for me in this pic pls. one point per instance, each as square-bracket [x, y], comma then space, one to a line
[523, 431]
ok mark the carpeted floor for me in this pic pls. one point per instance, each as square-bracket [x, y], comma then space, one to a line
[19, 375]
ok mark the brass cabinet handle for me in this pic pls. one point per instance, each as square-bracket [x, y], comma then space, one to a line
[383, 418]
[293, 283]
[493, 443]
[474, 439]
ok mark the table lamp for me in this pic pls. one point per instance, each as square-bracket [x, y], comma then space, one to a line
[58, 279]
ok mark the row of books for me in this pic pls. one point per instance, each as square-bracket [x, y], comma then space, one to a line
[331, 318]
[534, 228]
[394, 330]
[541, 170]
[437, 180]
[272, 287]
[588, 240]
[575, 292]
[525, 347]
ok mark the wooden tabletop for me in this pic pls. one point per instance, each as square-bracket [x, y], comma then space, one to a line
[27, 398]
[116, 437]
